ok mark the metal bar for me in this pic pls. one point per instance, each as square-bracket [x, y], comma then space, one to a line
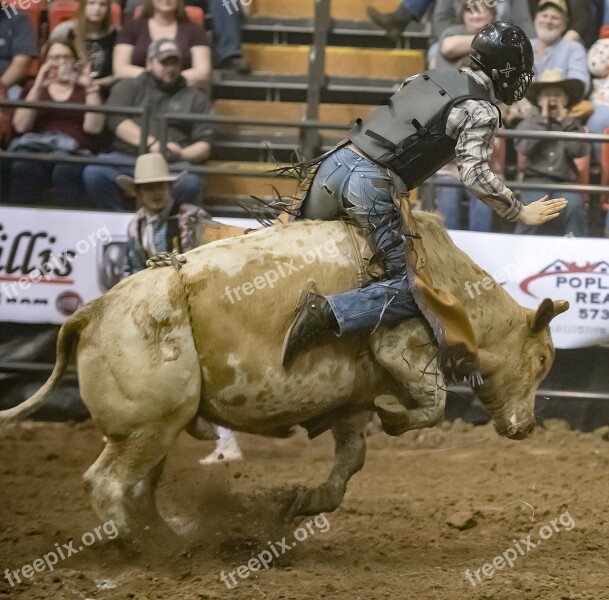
[310, 140]
[258, 122]
[544, 393]
[65, 106]
[144, 129]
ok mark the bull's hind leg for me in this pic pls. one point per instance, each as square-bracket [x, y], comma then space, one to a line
[123, 480]
[350, 453]
[408, 353]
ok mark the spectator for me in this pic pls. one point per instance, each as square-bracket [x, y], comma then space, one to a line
[94, 37]
[552, 49]
[162, 89]
[226, 25]
[163, 19]
[552, 161]
[448, 12]
[59, 131]
[17, 48]
[162, 224]
[456, 42]
[598, 63]
[585, 19]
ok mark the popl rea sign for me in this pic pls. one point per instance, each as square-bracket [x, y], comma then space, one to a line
[532, 268]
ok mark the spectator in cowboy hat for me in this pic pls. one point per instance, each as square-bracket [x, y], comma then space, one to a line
[161, 224]
[552, 161]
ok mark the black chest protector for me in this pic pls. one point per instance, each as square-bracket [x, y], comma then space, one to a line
[408, 133]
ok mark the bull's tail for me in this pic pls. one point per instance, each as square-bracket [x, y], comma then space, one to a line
[68, 335]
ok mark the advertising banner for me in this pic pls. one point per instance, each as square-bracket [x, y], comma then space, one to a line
[54, 261]
[531, 268]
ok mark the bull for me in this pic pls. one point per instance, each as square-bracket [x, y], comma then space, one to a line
[170, 345]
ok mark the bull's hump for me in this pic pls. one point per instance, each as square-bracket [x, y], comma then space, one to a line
[328, 240]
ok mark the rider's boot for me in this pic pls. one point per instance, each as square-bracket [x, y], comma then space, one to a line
[314, 317]
[393, 23]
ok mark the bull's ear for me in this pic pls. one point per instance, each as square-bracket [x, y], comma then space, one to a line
[488, 362]
[547, 310]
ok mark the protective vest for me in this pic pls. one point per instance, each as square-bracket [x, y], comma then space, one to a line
[408, 133]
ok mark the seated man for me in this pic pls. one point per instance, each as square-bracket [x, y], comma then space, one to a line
[552, 49]
[162, 89]
[432, 118]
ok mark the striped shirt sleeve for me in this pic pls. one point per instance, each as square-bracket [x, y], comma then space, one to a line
[473, 124]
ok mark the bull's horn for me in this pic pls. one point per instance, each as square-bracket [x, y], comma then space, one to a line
[547, 310]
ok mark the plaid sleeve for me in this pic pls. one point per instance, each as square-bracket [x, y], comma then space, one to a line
[473, 123]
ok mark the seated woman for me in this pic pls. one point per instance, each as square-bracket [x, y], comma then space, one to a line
[94, 36]
[54, 130]
[163, 19]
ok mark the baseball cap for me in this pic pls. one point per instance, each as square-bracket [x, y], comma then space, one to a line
[559, 4]
[163, 48]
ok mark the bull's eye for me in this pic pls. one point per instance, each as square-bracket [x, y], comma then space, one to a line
[542, 360]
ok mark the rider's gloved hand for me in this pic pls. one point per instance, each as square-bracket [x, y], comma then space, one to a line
[541, 211]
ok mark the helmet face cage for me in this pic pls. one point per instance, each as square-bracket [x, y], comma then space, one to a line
[505, 54]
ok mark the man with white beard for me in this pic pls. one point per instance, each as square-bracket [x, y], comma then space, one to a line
[554, 51]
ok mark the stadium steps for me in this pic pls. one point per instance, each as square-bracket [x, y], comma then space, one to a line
[227, 195]
[253, 142]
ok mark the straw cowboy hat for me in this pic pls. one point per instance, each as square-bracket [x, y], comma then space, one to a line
[149, 168]
[574, 88]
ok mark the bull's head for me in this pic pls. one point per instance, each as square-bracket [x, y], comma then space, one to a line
[515, 367]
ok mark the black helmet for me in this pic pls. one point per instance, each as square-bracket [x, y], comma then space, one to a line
[504, 53]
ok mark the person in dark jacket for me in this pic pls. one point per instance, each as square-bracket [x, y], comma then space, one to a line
[434, 117]
[552, 161]
[162, 90]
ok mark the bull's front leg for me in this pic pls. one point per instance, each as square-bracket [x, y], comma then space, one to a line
[408, 353]
[349, 455]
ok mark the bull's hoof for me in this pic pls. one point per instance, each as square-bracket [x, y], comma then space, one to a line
[393, 415]
[312, 501]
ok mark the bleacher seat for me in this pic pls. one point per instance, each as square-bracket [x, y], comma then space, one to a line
[64, 10]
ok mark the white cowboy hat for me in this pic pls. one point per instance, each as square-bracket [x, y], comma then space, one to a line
[149, 168]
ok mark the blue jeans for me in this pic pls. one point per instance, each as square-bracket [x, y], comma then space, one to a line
[574, 216]
[226, 26]
[100, 182]
[365, 191]
[417, 8]
[28, 179]
[449, 205]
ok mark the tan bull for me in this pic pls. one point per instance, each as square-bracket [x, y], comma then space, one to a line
[165, 345]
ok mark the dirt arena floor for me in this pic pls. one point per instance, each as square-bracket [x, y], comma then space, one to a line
[427, 507]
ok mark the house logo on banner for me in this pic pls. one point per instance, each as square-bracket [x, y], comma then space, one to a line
[585, 286]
